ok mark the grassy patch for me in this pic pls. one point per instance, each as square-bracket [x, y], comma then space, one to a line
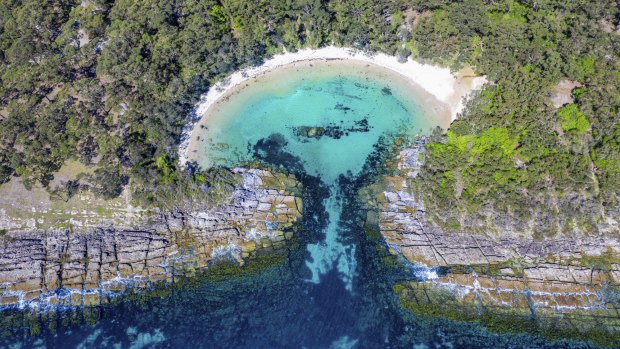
[573, 120]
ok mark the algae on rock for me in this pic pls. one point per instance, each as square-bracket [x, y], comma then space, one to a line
[560, 285]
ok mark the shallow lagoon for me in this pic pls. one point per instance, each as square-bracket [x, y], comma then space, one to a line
[328, 116]
[355, 104]
[334, 290]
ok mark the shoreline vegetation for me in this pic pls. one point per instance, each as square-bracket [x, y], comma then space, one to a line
[441, 90]
[113, 86]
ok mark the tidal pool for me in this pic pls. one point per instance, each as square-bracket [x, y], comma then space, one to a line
[326, 122]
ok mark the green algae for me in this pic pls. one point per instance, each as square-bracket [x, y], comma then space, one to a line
[603, 262]
[227, 270]
[516, 265]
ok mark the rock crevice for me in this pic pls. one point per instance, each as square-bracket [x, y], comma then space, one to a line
[41, 268]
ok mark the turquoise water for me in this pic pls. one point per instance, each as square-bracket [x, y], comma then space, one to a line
[328, 125]
[328, 117]
[357, 105]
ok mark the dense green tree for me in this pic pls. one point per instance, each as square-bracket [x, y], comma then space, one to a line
[562, 166]
[112, 83]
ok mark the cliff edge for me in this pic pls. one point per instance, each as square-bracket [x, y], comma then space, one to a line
[85, 262]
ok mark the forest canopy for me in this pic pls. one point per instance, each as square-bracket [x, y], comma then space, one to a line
[112, 84]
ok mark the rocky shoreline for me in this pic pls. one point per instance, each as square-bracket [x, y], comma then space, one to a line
[565, 284]
[574, 280]
[62, 267]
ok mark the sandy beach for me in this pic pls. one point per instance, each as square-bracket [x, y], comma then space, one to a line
[443, 92]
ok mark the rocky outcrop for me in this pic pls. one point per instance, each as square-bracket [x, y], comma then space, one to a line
[561, 94]
[553, 276]
[41, 268]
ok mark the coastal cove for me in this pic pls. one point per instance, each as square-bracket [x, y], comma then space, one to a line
[321, 244]
[313, 174]
[317, 119]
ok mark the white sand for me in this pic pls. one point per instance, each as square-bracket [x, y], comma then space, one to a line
[449, 89]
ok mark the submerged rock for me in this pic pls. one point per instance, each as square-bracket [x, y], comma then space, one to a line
[331, 131]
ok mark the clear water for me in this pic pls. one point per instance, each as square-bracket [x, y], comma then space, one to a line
[355, 105]
[333, 291]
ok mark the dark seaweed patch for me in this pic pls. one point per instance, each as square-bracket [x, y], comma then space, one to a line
[342, 107]
[304, 133]
[271, 150]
